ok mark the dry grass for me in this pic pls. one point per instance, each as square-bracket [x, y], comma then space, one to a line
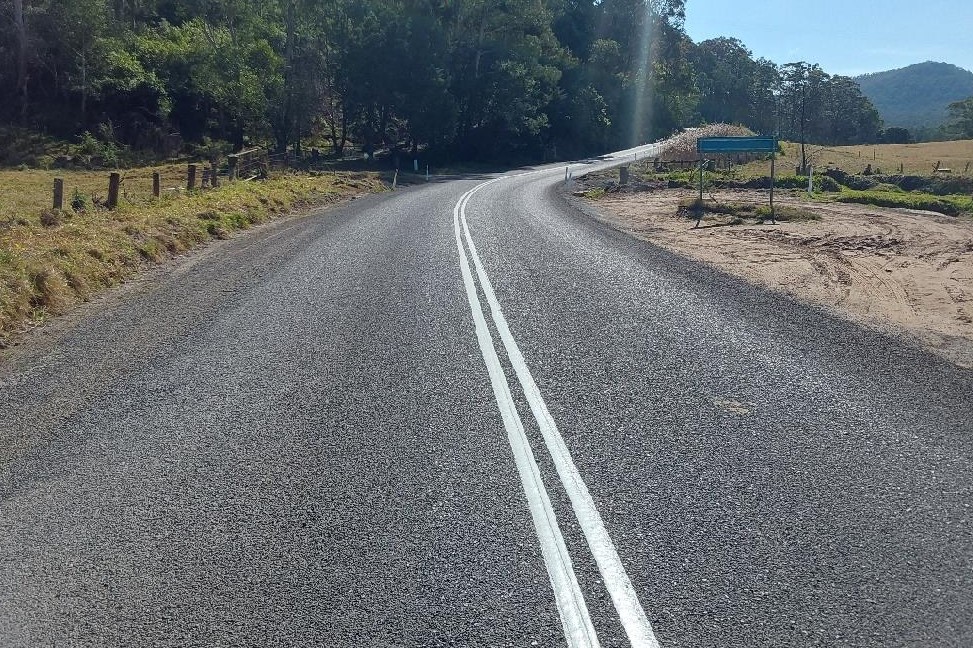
[26, 193]
[682, 147]
[742, 213]
[915, 159]
[51, 260]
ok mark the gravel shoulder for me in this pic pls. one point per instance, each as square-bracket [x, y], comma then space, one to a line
[899, 271]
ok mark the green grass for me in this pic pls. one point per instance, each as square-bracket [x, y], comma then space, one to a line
[51, 260]
[949, 205]
[881, 194]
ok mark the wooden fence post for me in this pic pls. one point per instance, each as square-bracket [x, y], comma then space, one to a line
[233, 165]
[156, 184]
[58, 193]
[205, 178]
[191, 182]
[114, 182]
[623, 175]
[214, 177]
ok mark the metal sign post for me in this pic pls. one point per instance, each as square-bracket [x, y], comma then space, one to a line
[773, 181]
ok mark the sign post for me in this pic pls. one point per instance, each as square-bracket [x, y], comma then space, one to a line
[739, 145]
[773, 214]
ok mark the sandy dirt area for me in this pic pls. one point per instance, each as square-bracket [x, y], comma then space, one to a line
[901, 271]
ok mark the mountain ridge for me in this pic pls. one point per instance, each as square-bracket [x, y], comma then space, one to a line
[917, 96]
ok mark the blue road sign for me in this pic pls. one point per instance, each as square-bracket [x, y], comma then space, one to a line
[736, 145]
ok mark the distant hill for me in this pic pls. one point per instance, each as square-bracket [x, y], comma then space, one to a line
[916, 97]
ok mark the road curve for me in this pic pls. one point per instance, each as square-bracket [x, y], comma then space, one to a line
[464, 413]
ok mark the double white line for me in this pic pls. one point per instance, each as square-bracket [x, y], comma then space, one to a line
[567, 593]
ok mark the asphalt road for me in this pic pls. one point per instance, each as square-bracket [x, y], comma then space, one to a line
[464, 413]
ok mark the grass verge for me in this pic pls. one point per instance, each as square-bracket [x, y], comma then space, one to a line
[949, 205]
[51, 260]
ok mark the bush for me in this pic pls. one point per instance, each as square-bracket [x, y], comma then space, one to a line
[908, 183]
[826, 183]
[860, 183]
[80, 202]
[792, 182]
[98, 153]
[937, 185]
[837, 175]
[946, 185]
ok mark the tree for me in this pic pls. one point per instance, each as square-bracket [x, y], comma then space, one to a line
[802, 103]
[895, 136]
[481, 79]
[961, 118]
[20, 30]
[849, 117]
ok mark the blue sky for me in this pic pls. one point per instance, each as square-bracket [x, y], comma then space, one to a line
[849, 37]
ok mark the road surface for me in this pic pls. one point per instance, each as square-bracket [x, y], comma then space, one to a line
[466, 414]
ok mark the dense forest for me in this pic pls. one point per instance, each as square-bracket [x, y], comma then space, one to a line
[467, 79]
[917, 97]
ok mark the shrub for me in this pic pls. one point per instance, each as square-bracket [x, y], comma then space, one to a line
[857, 182]
[826, 183]
[946, 185]
[80, 202]
[792, 182]
[860, 183]
[98, 153]
[909, 183]
[937, 185]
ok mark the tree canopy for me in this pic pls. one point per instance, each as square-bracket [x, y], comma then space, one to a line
[472, 79]
[961, 118]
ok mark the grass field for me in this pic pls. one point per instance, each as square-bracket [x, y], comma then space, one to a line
[51, 260]
[916, 188]
[913, 159]
[25, 194]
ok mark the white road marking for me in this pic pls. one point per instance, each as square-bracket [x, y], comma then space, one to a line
[620, 588]
[567, 592]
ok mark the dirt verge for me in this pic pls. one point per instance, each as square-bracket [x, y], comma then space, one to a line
[900, 271]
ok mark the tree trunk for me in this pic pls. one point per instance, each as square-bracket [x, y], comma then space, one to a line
[340, 149]
[84, 89]
[238, 135]
[803, 132]
[479, 48]
[289, 74]
[20, 27]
